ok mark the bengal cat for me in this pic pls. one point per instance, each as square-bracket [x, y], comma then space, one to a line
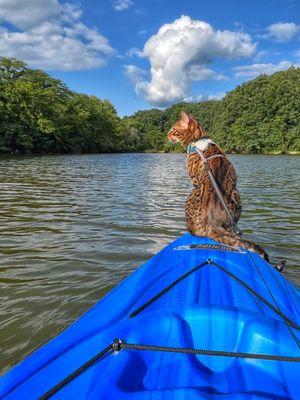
[205, 215]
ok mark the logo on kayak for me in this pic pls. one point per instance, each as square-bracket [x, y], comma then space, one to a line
[197, 246]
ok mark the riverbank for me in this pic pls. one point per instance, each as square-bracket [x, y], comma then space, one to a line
[273, 153]
[256, 117]
[153, 151]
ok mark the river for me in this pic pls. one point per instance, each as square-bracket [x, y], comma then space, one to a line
[73, 226]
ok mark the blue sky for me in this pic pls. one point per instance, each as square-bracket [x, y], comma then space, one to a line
[141, 54]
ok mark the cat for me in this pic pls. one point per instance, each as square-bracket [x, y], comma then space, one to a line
[205, 214]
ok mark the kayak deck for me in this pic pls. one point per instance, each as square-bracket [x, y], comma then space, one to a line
[206, 309]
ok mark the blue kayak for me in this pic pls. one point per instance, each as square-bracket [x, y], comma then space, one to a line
[199, 320]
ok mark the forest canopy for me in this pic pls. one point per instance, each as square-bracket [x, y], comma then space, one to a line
[260, 116]
[40, 114]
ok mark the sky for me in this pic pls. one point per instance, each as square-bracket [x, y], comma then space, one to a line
[141, 54]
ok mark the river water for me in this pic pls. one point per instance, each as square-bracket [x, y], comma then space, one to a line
[73, 226]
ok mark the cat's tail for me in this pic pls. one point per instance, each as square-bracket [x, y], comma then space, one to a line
[232, 239]
[256, 248]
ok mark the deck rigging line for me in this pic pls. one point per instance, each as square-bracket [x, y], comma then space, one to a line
[239, 232]
[229, 273]
[118, 344]
[167, 288]
[99, 356]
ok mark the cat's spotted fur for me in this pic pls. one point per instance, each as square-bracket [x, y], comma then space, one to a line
[205, 215]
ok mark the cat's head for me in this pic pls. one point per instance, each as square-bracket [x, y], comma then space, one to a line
[185, 130]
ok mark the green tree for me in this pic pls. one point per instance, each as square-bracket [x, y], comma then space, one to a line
[39, 114]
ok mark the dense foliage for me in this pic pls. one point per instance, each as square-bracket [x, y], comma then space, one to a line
[39, 114]
[147, 130]
[260, 116]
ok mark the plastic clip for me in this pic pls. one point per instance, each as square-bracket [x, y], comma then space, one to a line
[117, 345]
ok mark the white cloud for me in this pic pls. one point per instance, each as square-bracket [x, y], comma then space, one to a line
[216, 96]
[70, 12]
[180, 45]
[134, 51]
[260, 54]
[121, 5]
[204, 97]
[54, 41]
[198, 73]
[282, 31]
[135, 74]
[251, 71]
[27, 13]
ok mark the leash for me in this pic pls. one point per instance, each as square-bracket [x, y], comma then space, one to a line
[118, 344]
[238, 232]
[216, 186]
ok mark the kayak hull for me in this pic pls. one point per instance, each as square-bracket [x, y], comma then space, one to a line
[205, 308]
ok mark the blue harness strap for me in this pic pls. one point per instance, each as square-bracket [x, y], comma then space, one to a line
[191, 148]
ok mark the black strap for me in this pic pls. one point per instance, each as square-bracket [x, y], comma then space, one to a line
[297, 341]
[232, 275]
[216, 187]
[204, 352]
[108, 349]
[166, 289]
[119, 344]
[259, 296]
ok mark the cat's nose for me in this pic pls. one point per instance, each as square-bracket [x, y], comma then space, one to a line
[171, 138]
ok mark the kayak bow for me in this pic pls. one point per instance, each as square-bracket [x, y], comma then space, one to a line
[196, 321]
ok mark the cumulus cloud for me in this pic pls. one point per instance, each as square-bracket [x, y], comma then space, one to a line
[27, 13]
[251, 71]
[181, 51]
[70, 12]
[282, 31]
[260, 54]
[135, 74]
[52, 37]
[216, 96]
[204, 97]
[121, 5]
[198, 73]
[134, 51]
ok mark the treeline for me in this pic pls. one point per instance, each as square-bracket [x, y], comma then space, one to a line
[260, 116]
[39, 114]
[146, 130]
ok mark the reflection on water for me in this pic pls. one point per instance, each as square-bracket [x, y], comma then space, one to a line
[73, 226]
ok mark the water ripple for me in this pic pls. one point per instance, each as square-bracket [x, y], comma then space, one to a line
[73, 226]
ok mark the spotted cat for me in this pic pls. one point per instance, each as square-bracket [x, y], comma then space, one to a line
[205, 214]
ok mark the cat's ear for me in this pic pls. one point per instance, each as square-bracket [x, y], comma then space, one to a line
[187, 120]
[184, 118]
[192, 121]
